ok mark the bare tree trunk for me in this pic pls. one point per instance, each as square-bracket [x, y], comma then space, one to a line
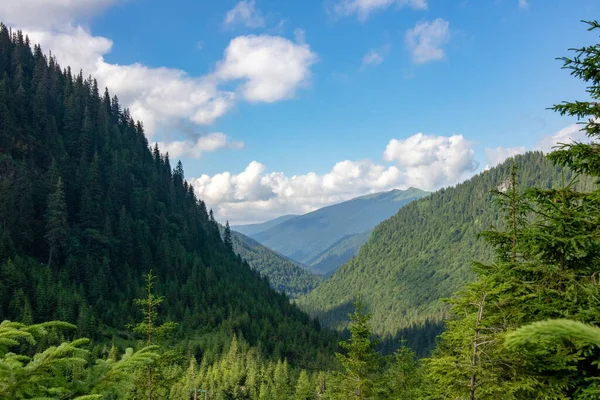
[475, 358]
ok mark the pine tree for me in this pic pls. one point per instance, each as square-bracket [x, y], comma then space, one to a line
[227, 236]
[304, 390]
[361, 362]
[546, 268]
[57, 228]
[470, 361]
[149, 328]
[404, 378]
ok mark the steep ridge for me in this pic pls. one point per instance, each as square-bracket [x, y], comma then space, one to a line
[86, 208]
[338, 253]
[423, 253]
[284, 275]
[253, 229]
[305, 237]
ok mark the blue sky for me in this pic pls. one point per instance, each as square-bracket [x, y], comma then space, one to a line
[283, 106]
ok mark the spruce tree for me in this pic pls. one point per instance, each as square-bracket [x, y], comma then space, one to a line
[304, 390]
[227, 236]
[361, 361]
[550, 272]
[150, 329]
[57, 227]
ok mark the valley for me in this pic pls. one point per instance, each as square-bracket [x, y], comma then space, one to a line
[124, 276]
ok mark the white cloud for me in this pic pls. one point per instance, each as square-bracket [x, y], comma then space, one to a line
[245, 13]
[255, 195]
[49, 13]
[373, 57]
[363, 8]
[571, 133]
[272, 67]
[426, 39]
[203, 144]
[523, 4]
[432, 161]
[495, 156]
[262, 68]
[154, 95]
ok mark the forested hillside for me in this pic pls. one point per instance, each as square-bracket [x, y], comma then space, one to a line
[87, 208]
[338, 253]
[284, 275]
[424, 253]
[309, 238]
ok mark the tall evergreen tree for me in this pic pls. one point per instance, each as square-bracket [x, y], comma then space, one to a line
[361, 361]
[546, 267]
[304, 390]
[57, 227]
[227, 236]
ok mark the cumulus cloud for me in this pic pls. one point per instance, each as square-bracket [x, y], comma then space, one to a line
[256, 68]
[571, 133]
[271, 67]
[523, 4]
[244, 13]
[426, 39]
[262, 68]
[203, 144]
[254, 195]
[154, 95]
[495, 156]
[363, 8]
[432, 161]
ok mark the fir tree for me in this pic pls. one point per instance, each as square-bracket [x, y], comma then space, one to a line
[227, 236]
[149, 326]
[361, 361]
[304, 390]
[57, 228]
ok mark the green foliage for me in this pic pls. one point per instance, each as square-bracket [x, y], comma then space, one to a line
[61, 371]
[227, 236]
[71, 154]
[361, 361]
[148, 306]
[57, 227]
[424, 253]
[404, 378]
[547, 257]
[304, 390]
[540, 332]
[328, 261]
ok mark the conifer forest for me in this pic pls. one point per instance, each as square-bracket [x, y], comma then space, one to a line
[119, 281]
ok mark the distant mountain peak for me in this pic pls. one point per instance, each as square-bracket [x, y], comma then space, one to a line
[312, 236]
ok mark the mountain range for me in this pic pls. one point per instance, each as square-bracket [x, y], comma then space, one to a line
[324, 239]
[424, 252]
